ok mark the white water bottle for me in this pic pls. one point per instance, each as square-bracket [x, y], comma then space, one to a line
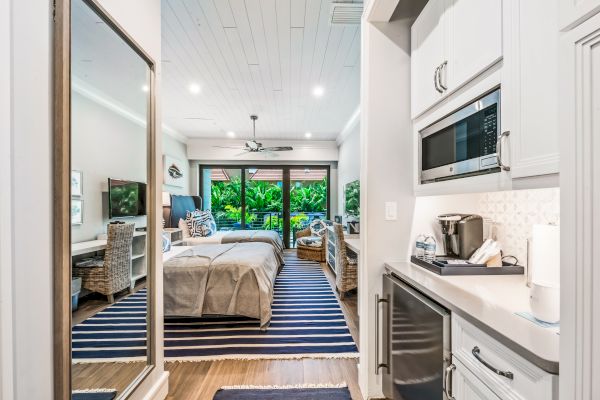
[420, 246]
[430, 247]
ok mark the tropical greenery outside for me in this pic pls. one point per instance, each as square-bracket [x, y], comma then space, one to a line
[264, 202]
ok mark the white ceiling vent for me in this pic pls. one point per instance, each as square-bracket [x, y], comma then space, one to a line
[344, 13]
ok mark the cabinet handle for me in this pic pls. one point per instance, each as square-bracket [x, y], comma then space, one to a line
[502, 166]
[442, 67]
[448, 381]
[436, 79]
[506, 374]
[379, 365]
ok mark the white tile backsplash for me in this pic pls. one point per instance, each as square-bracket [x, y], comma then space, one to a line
[515, 212]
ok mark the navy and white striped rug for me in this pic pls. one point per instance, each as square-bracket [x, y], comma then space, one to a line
[307, 322]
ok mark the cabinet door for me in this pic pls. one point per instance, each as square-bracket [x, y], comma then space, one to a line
[534, 136]
[427, 53]
[466, 386]
[573, 12]
[474, 39]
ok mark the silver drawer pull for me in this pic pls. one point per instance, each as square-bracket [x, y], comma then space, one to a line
[506, 374]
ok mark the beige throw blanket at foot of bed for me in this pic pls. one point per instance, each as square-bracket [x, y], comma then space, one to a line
[221, 279]
[261, 236]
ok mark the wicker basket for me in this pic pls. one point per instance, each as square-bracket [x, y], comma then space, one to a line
[310, 252]
[346, 274]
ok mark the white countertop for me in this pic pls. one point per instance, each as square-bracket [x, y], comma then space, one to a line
[489, 302]
[353, 244]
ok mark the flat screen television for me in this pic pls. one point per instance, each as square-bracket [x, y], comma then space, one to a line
[126, 198]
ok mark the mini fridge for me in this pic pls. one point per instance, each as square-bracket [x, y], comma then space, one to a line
[415, 343]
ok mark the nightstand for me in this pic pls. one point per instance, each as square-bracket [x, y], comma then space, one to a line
[175, 235]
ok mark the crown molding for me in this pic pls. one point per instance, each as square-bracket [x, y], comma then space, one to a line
[349, 127]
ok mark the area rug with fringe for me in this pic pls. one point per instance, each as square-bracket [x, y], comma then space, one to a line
[298, 392]
[307, 322]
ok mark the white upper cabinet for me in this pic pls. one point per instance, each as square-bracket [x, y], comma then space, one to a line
[574, 12]
[534, 125]
[452, 41]
[475, 39]
[427, 54]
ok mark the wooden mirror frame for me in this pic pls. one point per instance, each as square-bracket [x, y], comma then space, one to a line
[62, 196]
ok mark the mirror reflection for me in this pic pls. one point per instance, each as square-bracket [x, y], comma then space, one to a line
[110, 87]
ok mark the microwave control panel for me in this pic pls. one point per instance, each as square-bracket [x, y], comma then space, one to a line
[489, 135]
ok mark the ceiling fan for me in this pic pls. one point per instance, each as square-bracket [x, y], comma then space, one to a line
[252, 146]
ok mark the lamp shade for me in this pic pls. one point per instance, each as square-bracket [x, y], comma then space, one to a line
[166, 199]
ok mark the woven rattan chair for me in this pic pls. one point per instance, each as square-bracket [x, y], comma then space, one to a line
[346, 274]
[113, 274]
[310, 252]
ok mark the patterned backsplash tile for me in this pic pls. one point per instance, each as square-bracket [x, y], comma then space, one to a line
[515, 212]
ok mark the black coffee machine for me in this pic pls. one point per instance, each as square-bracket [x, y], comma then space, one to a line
[462, 234]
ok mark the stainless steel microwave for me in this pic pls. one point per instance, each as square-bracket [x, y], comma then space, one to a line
[464, 143]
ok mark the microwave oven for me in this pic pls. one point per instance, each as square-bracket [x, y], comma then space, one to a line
[464, 143]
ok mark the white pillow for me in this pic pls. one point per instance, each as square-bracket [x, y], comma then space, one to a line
[185, 230]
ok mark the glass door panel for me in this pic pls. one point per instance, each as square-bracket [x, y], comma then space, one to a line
[222, 194]
[309, 193]
[264, 199]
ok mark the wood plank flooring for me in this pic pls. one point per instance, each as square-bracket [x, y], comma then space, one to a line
[200, 380]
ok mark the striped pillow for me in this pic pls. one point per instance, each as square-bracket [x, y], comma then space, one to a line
[200, 223]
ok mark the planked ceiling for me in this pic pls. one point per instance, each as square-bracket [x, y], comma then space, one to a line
[258, 56]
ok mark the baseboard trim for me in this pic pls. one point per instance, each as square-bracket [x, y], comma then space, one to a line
[160, 389]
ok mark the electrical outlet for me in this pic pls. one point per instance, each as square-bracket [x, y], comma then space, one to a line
[391, 211]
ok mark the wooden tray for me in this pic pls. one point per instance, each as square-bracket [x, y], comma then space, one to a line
[466, 269]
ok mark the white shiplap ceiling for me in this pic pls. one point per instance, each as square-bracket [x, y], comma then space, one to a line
[258, 56]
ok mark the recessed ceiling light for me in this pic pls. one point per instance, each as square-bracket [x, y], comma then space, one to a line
[308, 135]
[318, 91]
[194, 88]
[145, 88]
[231, 134]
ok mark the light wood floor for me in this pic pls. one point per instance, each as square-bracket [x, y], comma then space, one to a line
[200, 380]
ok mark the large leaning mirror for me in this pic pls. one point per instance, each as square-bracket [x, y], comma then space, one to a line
[110, 207]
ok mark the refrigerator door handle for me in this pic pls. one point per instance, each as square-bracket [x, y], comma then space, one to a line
[379, 365]
[448, 382]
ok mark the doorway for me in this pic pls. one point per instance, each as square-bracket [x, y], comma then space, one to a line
[282, 198]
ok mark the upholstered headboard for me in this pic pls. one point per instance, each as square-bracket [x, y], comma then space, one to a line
[180, 205]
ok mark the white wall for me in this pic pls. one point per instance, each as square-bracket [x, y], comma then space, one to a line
[104, 145]
[31, 202]
[386, 171]
[177, 149]
[217, 150]
[6, 250]
[348, 168]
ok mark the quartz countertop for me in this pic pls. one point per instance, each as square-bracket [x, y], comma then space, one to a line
[490, 303]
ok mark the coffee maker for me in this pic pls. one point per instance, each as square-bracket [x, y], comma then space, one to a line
[462, 234]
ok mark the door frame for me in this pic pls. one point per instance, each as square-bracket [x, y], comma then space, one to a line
[285, 188]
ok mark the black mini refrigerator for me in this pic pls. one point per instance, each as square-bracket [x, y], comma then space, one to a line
[416, 352]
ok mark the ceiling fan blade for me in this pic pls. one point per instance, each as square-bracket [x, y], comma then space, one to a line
[278, 148]
[230, 147]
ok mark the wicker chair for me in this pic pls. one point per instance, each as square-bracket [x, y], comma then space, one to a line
[346, 274]
[310, 252]
[113, 274]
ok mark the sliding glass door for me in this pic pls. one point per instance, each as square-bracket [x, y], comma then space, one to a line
[281, 198]
[264, 199]
[309, 197]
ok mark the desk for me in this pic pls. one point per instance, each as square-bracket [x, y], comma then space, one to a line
[353, 244]
[138, 267]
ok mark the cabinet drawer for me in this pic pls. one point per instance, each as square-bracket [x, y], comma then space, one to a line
[466, 386]
[521, 380]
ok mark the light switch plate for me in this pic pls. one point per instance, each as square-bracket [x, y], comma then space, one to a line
[391, 210]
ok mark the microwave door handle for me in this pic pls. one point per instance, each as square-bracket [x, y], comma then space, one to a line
[502, 166]
[436, 79]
